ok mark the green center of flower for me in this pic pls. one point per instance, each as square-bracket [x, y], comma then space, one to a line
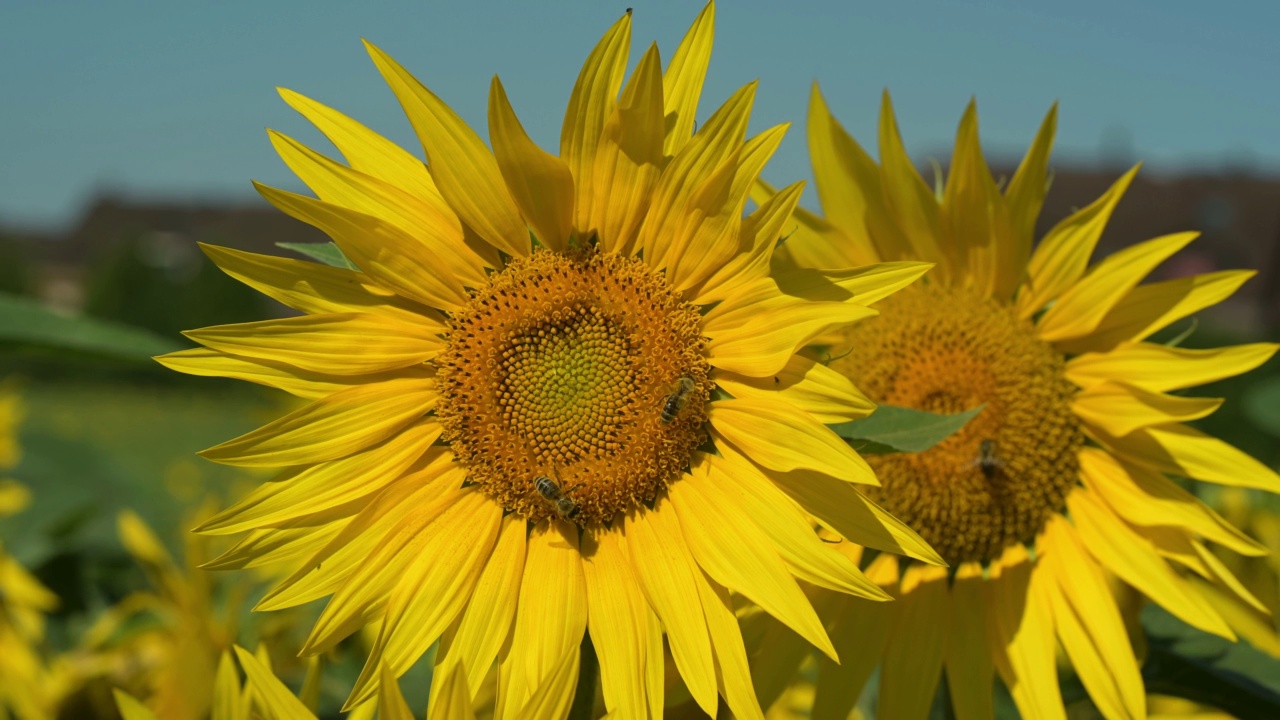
[998, 480]
[555, 378]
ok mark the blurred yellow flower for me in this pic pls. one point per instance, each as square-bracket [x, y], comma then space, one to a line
[517, 392]
[24, 602]
[11, 413]
[1062, 481]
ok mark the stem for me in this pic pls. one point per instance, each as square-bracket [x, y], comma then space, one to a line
[584, 696]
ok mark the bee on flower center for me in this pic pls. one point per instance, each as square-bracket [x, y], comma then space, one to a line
[987, 460]
[678, 399]
[565, 506]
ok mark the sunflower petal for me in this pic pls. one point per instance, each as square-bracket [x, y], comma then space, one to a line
[271, 697]
[810, 241]
[340, 344]
[629, 158]
[551, 620]
[616, 612]
[1160, 368]
[1135, 560]
[849, 190]
[1089, 625]
[910, 199]
[1026, 191]
[975, 219]
[666, 572]
[540, 182]
[486, 623]
[761, 229]
[391, 703]
[211, 363]
[590, 105]
[274, 545]
[554, 695]
[780, 437]
[1020, 630]
[1146, 498]
[1149, 308]
[1082, 307]
[860, 631]
[804, 383]
[431, 593]
[1180, 450]
[913, 662]
[338, 425]
[1119, 409]
[682, 81]
[731, 549]
[862, 285]
[314, 288]
[733, 674]
[452, 699]
[463, 168]
[386, 253]
[1060, 259]
[968, 662]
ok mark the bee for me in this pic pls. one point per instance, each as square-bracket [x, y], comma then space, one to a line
[566, 507]
[987, 459]
[678, 399]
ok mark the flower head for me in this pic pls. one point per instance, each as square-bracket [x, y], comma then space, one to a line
[560, 395]
[1062, 483]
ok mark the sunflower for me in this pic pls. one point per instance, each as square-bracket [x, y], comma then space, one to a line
[24, 604]
[1062, 484]
[560, 395]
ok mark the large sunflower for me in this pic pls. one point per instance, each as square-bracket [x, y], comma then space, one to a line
[560, 394]
[1063, 482]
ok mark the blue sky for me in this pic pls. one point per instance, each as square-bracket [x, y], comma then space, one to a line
[171, 99]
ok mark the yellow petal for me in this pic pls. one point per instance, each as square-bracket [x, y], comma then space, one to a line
[968, 661]
[682, 81]
[486, 623]
[862, 285]
[227, 702]
[275, 545]
[391, 703]
[733, 676]
[975, 219]
[910, 199]
[1082, 307]
[452, 701]
[211, 363]
[1060, 259]
[731, 549]
[1020, 627]
[386, 253]
[758, 336]
[1120, 409]
[141, 542]
[540, 182]
[463, 168]
[1256, 628]
[848, 185]
[810, 241]
[777, 436]
[551, 620]
[1134, 559]
[271, 697]
[339, 185]
[761, 229]
[367, 151]
[629, 158]
[1180, 450]
[913, 662]
[590, 105]
[860, 632]
[1089, 625]
[715, 142]
[14, 497]
[1149, 308]
[315, 288]
[364, 592]
[666, 572]
[338, 425]
[616, 618]
[1149, 499]
[1161, 368]
[453, 549]
[129, 707]
[553, 697]
[326, 485]
[1025, 193]
[339, 344]
[787, 527]
[805, 384]
[1218, 571]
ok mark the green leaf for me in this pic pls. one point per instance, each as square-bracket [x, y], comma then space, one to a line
[897, 429]
[27, 323]
[327, 253]
[1188, 663]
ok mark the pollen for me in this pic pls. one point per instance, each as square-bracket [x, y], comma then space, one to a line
[998, 480]
[560, 368]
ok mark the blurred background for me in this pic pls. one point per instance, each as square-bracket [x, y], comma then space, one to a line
[129, 132]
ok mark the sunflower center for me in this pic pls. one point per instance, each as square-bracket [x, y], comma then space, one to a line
[996, 481]
[555, 379]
